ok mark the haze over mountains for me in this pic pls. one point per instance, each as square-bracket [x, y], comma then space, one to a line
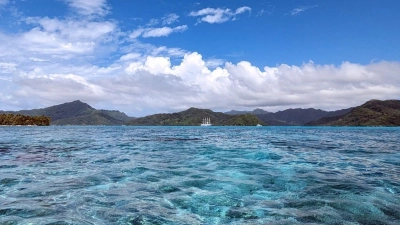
[372, 113]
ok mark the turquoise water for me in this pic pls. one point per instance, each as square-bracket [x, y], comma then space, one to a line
[199, 175]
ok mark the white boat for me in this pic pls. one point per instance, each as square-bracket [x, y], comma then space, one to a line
[258, 125]
[206, 122]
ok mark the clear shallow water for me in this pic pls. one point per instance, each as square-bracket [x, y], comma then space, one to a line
[199, 175]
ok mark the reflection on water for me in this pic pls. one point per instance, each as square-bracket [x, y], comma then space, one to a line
[199, 175]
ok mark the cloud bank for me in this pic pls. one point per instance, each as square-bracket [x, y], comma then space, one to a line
[154, 83]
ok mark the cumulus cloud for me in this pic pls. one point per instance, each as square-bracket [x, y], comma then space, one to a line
[155, 83]
[301, 9]
[90, 7]
[156, 32]
[218, 15]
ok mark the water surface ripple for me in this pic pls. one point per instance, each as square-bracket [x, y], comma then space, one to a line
[199, 175]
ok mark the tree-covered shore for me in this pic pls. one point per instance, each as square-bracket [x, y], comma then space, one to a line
[18, 119]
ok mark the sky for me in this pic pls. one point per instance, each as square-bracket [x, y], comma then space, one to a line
[157, 56]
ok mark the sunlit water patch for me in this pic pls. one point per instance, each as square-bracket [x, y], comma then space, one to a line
[199, 175]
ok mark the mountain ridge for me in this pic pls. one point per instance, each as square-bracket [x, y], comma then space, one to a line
[371, 113]
[76, 113]
[193, 117]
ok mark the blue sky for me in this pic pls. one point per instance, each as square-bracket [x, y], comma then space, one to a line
[152, 56]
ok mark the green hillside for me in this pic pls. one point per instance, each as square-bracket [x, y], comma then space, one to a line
[371, 113]
[77, 113]
[194, 117]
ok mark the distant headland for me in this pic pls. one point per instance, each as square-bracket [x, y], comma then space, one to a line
[371, 113]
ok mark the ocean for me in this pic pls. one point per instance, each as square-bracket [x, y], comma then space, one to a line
[199, 175]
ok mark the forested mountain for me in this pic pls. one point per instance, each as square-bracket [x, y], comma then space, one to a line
[194, 117]
[371, 113]
[77, 113]
[290, 117]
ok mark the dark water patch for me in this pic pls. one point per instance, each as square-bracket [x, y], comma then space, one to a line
[177, 139]
[152, 178]
[123, 160]
[238, 213]
[136, 170]
[8, 166]
[82, 182]
[357, 211]
[63, 172]
[96, 202]
[249, 188]
[102, 161]
[148, 220]
[262, 156]
[392, 211]
[169, 189]
[5, 150]
[116, 177]
[36, 194]
[10, 222]
[8, 182]
[59, 223]
[279, 143]
[198, 183]
[338, 189]
[27, 213]
[308, 204]
[311, 219]
[274, 183]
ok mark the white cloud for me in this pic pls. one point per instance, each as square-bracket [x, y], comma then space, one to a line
[152, 22]
[38, 59]
[301, 9]
[163, 31]
[154, 83]
[137, 33]
[58, 87]
[51, 39]
[170, 18]
[130, 57]
[218, 15]
[242, 10]
[156, 32]
[90, 7]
